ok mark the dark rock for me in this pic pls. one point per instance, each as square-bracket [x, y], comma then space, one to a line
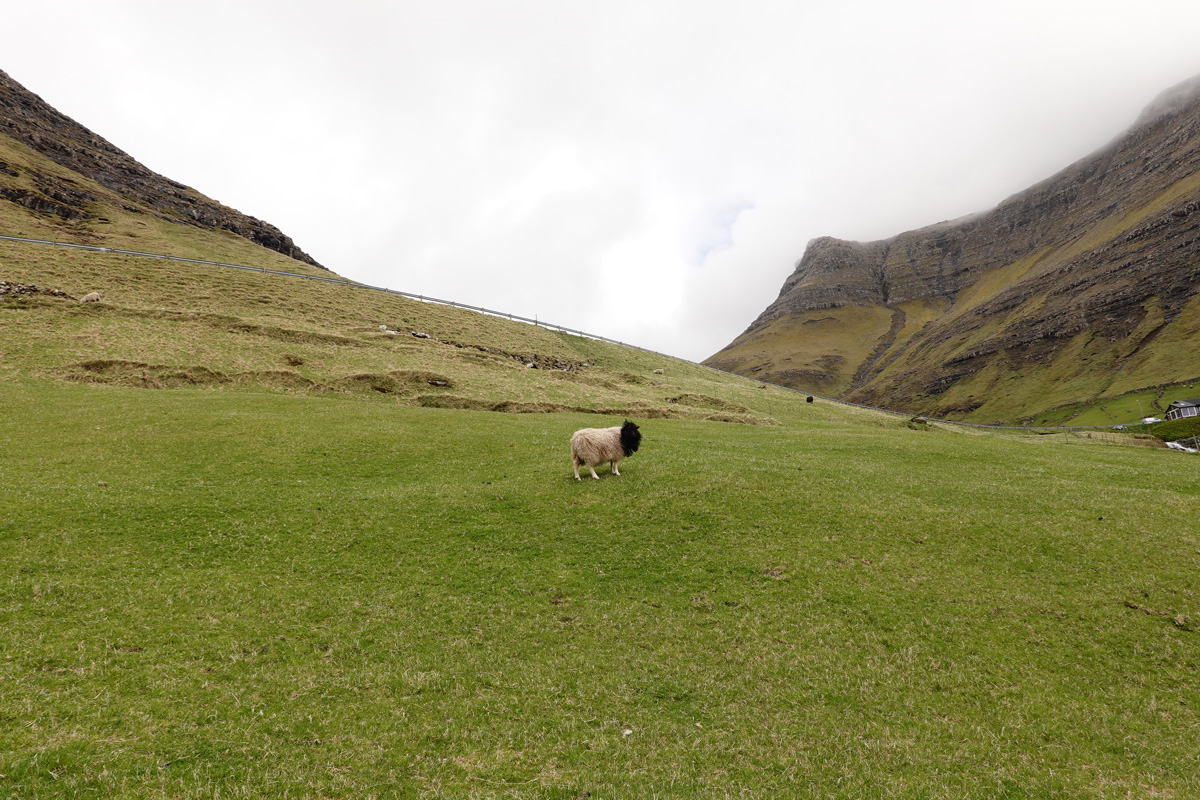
[29, 289]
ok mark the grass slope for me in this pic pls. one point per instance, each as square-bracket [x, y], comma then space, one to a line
[164, 324]
[219, 593]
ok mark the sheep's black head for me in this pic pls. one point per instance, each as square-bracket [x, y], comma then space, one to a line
[631, 437]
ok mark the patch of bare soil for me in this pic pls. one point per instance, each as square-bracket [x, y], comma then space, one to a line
[142, 375]
[398, 382]
[416, 387]
[451, 401]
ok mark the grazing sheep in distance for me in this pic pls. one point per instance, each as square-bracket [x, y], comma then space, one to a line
[94, 297]
[591, 447]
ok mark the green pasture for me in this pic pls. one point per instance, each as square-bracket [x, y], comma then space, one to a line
[1127, 409]
[211, 593]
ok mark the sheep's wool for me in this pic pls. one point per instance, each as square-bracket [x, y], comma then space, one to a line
[593, 446]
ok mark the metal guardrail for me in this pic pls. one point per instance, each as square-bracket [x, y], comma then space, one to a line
[538, 323]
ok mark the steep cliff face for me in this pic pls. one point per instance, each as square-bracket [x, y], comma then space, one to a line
[29, 120]
[1083, 286]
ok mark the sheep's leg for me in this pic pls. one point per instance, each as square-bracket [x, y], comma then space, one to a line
[615, 471]
[575, 462]
[593, 471]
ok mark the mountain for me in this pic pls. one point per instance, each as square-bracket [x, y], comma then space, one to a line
[1083, 287]
[29, 120]
[172, 324]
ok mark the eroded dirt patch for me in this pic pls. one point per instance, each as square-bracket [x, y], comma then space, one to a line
[143, 375]
[398, 382]
[413, 387]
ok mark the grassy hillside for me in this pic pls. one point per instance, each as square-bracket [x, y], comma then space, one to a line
[255, 545]
[163, 325]
[252, 594]
[823, 350]
[169, 324]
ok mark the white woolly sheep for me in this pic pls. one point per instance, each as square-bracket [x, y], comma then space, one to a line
[591, 447]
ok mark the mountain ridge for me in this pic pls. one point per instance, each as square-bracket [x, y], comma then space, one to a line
[29, 120]
[939, 319]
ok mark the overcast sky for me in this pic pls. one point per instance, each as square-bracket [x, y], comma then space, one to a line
[648, 171]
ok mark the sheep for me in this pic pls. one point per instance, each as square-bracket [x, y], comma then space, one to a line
[93, 297]
[591, 447]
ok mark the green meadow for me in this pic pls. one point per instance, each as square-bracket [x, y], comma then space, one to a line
[1126, 410]
[212, 593]
[265, 537]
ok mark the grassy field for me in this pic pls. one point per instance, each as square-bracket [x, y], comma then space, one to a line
[238, 594]
[266, 537]
[1124, 410]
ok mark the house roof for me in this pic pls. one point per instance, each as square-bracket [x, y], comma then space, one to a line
[1185, 403]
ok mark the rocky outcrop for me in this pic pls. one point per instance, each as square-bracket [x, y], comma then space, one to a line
[28, 119]
[1088, 252]
[8, 289]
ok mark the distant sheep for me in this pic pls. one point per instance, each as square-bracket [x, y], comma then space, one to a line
[94, 297]
[591, 447]
[658, 372]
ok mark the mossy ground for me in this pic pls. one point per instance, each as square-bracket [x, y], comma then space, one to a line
[269, 595]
